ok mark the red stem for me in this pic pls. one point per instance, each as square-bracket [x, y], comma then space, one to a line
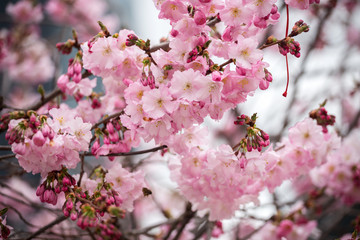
[287, 76]
[286, 58]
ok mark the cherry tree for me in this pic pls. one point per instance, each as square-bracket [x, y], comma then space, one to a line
[241, 123]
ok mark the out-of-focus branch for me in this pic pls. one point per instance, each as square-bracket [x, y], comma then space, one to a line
[354, 122]
[7, 156]
[56, 92]
[188, 215]
[46, 227]
[5, 148]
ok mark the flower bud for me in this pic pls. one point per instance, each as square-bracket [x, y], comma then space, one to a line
[73, 216]
[62, 81]
[38, 139]
[199, 17]
[40, 190]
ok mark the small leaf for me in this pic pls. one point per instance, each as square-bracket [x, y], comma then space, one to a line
[41, 90]
[3, 211]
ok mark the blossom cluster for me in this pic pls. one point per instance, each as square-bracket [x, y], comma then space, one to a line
[163, 92]
[219, 180]
[340, 174]
[43, 144]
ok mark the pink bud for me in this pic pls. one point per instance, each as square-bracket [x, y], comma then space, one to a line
[66, 181]
[66, 213]
[62, 81]
[174, 33]
[114, 137]
[77, 77]
[275, 16]
[69, 205]
[53, 198]
[33, 118]
[106, 140]
[45, 130]
[38, 139]
[227, 35]
[216, 76]
[260, 22]
[40, 190]
[263, 85]
[204, 1]
[284, 228]
[110, 128]
[241, 71]
[95, 147]
[47, 195]
[274, 9]
[73, 216]
[151, 80]
[77, 68]
[57, 189]
[199, 17]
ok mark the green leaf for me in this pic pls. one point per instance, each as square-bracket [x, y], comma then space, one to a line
[3, 211]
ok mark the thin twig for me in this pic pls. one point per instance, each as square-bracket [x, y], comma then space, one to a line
[5, 147]
[130, 153]
[46, 227]
[189, 214]
[107, 119]
[21, 216]
[7, 156]
[56, 92]
[82, 169]
[147, 229]
[354, 123]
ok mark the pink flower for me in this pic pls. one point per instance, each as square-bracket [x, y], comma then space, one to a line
[25, 11]
[103, 57]
[301, 4]
[306, 134]
[158, 102]
[187, 85]
[246, 52]
[128, 184]
[173, 10]
[62, 82]
[84, 87]
[236, 13]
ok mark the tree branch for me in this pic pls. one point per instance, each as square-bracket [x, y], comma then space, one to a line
[129, 153]
[46, 227]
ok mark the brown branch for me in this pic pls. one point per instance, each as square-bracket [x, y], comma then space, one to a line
[21, 216]
[56, 92]
[82, 170]
[188, 215]
[147, 229]
[129, 153]
[7, 156]
[46, 227]
[354, 123]
[106, 119]
[5, 147]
